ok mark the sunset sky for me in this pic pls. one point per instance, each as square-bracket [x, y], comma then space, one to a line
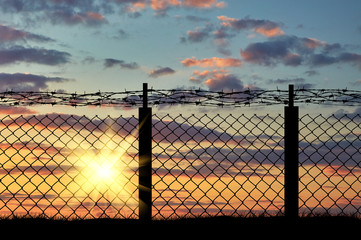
[113, 45]
[116, 45]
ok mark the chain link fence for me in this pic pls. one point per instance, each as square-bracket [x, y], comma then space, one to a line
[330, 164]
[66, 166]
[221, 165]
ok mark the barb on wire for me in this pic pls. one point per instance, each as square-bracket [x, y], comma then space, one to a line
[198, 97]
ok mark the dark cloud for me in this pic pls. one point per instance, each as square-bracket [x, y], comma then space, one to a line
[264, 27]
[9, 34]
[311, 73]
[343, 114]
[26, 6]
[269, 52]
[345, 57]
[17, 54]
[295, 51]
[77, 12]
[26, 82]
[121, 35]
[161, 72]
[199, 34]
[287, 81]
[225, 82]
[111, 62]
[218, 80]
[317, 60]
[68, 12]
[194, 18]
[228, 28]
[88, 60]
[73, 18]
[300, 83]
[163, 131]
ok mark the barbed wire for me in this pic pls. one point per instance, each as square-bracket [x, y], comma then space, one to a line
[196, 97]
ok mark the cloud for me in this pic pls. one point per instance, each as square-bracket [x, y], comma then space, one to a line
[161, 72]
[295, 51]
[161, 6]
[110, 62]
[72, 18]
[198, 35]
[298, 82]
[26, 82]
[9, 34]
[267, 53]
[49, 169]
[121, 35]
[203, 4]
[163, 131]
[217, 80]
[343, 114]
[264, 27]
[224, 82]
[68, 12]
[311, 73]
[287, 81]
[228, 28]
[196, 19]
[10, 110]
[17, 54]
[212, 62]
[91, 13]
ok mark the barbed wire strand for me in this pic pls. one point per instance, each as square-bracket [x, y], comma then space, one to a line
[196, 97]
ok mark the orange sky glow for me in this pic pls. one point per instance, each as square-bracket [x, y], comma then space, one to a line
[74, 169]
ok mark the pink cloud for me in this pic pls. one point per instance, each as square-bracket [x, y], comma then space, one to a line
[204, 3]
[95, 16]
[160, 6]
[9, 110]
[313, 43]
[212, 62]
[269, 32]
[342, 171]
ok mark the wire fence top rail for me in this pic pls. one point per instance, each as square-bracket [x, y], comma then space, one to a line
[198, 97]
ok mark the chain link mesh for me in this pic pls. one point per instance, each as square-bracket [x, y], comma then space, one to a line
[330, 164]
[68, 166]
[222, 165]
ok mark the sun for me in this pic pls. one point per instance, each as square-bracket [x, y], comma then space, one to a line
[103, 180]
[105, 172]
[102, 171]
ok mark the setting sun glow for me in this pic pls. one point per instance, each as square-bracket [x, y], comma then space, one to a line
[100, 170]
[102, 182]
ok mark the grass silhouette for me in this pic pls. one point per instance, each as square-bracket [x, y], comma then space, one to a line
[219, 220]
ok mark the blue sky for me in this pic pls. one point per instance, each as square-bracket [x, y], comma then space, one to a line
[212, 44]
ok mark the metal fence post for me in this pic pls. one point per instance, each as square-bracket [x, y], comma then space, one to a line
[291, 157]
[145, 158]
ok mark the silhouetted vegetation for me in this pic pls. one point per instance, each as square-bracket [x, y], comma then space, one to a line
[221, 220]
